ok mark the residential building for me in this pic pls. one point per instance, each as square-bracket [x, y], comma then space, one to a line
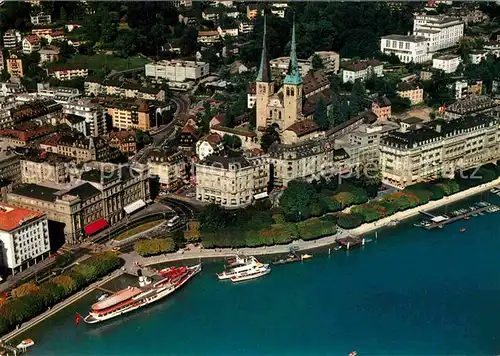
[76, 123]
[125, 141]
[363, 143]
[278, 11]
[40, 19]
[55, 36]
[279, 67]
[381, 107]
[211, 14]
[441, 32]
[31, 43]
[60, 95]
[252, 11]
[41, 166]
[99, 195]
[11, 38]
[208, 37]
[477, 56]
[406, 48]
[182, 3]
[331, 61]
[361, 70]
[493, 48]
[24, 237]
[126, 114]
[464, 88]
[232, 182]
[177, 70]
[471, 105]
[15, 66]
[2, 61]
[412, 91]
[227, 31]
[94, 114]
[96, 87]
[248, 138]
[411, 123]
[41, 32]
[307, 160]
[37, 111]
[49, 54]
[68, 73]
[245, 27]
[208, 145]
[366, 117]
[439, 149]
[188, 137]
[23, 137]
[10, 166]
[447, 63]
[251, 95]
[168, 165]
[79, 148]
[7, 88]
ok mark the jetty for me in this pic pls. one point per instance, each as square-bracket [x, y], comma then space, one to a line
[351, 242]
[441, 220]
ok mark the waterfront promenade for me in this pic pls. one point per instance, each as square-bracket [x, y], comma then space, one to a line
[308, 245]
[60, 306]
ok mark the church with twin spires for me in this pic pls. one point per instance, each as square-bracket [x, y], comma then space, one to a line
[283, 108]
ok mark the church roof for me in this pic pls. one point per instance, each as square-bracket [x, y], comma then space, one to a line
[303, 127]
[293, 76]
[314, 81]
[264, 74]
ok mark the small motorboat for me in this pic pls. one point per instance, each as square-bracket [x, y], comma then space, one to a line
[25, 344]
[102, 297]
[462, 229]
[354, 353]
[467, 217]
[305, 257]
[338, 247]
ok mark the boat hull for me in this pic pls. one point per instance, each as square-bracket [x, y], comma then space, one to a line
[93, 318]
[250, 276]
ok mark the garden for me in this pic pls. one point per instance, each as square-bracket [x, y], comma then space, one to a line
[30, 299]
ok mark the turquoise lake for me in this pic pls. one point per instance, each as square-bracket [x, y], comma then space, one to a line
[409, 292]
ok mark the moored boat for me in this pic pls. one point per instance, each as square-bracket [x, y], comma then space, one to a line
[248, 264]
[256, 272]
[132, 298]
[25, 344]
[305, 257]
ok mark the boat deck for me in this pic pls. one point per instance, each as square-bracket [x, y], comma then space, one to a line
[116, 298]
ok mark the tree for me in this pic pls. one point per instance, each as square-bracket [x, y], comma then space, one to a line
[317, 62]
[232, 141]
[189, 41]
[344, 111]
[62, 14]
[125, 44]
[334, 118]
[357, 98]
[213, 218]
[269, 137]
[321, 115]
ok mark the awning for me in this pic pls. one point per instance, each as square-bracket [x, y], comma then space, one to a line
[96, 226]
[129, 209]
[261, 195]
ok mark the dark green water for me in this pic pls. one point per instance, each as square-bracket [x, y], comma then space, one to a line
[411, 292]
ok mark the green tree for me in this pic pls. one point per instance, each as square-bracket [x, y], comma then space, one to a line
[62, 14]
[357, 98]
[232, 141]
[344, 111]
[317, 62]
[321, 115]
[213, 218]
[334, 118]
[268, 138]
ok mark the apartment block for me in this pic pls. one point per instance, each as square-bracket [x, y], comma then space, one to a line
[406, 48]
[361, 70]
[169, 166]
[232, 182]
[177, 70]
[439, 149]
[441, 32]
[24, 237]
[94, 114]
[447, 63]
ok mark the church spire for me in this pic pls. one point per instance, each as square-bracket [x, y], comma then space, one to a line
[264, 74]
[293, 76]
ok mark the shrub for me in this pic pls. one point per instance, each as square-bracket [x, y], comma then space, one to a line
[315, 228]
[155, 246]
[25, 289]
[349, 221]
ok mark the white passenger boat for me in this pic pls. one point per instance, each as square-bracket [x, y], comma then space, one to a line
[25, 344]
[242, 264]
[256, 272]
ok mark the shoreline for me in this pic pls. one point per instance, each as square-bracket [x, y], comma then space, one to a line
[257, 251]
[321, 242]
[60, 306]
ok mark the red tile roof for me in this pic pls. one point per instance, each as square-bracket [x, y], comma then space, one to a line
[303, 127]
[189, 129]
[27, 135]
[12, 217]
[33, 39]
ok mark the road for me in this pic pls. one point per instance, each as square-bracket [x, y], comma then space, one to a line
[164, 133]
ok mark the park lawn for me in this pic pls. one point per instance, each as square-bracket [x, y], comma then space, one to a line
[138, 229]
[101, 60]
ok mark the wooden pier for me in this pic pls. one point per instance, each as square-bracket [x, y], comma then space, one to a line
[351, 242]
[466, 215]
[105, 290]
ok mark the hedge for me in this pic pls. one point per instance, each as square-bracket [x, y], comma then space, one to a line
[315, 228]
[28, 300]
[154, 247]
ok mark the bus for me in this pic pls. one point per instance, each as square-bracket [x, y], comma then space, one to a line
[173, 221]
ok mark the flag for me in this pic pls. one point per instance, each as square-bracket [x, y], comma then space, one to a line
[442, 109]
[78, 319]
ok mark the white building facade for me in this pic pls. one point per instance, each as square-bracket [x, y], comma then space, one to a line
[177, 70]
[94, 114]
[406, 48]
[447, 63]
[441, 32]
[24, 237]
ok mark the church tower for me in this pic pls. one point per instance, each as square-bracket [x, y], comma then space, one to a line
[292, 86]
[264, 87]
